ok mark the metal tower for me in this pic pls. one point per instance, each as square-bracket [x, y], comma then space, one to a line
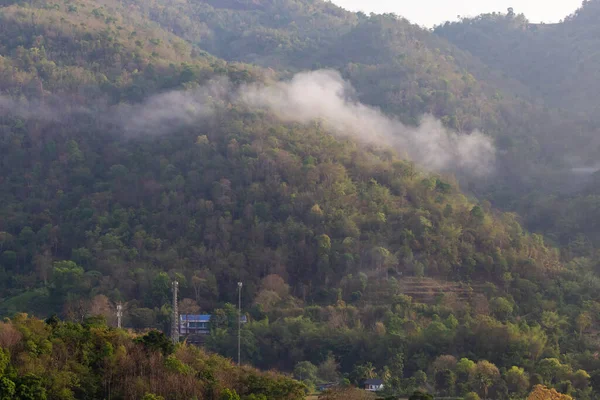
[239, 323]
[175, 316]
[119, 315]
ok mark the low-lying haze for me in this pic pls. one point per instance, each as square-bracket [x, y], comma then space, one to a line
[323, 95]
[310, 96]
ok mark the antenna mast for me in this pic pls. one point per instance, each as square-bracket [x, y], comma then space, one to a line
[239, 338]
[119, 314]
[175, 316]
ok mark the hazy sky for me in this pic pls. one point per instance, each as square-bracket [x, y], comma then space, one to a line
[430, 12]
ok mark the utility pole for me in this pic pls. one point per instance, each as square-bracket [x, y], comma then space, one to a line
[119, 314]
[175, 316]
[239, 322]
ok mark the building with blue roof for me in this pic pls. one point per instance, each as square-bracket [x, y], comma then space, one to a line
[194, 324]
[190, 324]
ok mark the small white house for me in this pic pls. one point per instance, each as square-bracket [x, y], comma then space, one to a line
[373, 385]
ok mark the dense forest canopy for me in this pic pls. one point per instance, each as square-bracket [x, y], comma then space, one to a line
[486, 79]
[64, 360]
[139, 147]
[558, 63]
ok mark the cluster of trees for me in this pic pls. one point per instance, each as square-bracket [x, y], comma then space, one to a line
[498, 73]
[326, 234]
[557, 63]
[68, 54]
[241, 200]
[88, 218]
[451, 348]
[539, 392]
[55, 360]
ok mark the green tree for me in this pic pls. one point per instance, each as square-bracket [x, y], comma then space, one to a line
[305, 371]
[8, 389]
[581, 379]
[465, 369]
[229, 394]
[161, 289]
[552, 370]
[156, 341]
[471, 396]
[477, 213]
[501, 307]
[328, 370]
[445, 381]
[150, 396]
[362, 372]
[67, 277]
[394, 382]
[517, 380]
[142, 318]
[486, 374]
[420, 396]
[30, 387]
[583, 322]
[420, 378]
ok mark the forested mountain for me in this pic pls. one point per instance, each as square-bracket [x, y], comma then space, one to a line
[144, 142]
[558, 63]
[408, 71]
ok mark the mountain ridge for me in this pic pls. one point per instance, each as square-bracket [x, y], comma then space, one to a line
[133, 158]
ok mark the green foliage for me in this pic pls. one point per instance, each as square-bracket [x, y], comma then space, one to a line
[156, 341]
[150, 396]
[526, 115]
[420, 396]
[30, 387]
[445, 381]
[7, 389]
[471, 396]
[93, 361]
[501, 307]
[377, 268]
[229, 395]
[306, 372]
[537, 58]
[517, 380]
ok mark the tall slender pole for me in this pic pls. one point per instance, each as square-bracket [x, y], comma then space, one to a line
[175, 316]
[119, 314]
[239, 323]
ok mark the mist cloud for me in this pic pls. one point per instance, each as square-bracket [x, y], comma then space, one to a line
[325, 96]
[586, 170]
[28, 109]
[169, 111]
[311, 96]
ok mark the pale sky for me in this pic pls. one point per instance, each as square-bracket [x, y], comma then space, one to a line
[431, 12]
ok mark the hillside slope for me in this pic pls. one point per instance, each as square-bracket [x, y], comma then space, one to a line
[65, 360]
[132, 158]
[240, 193]
[407, 72]
[558, 62]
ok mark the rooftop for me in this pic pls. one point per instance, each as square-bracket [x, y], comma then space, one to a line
[195, 317]
[203, 318]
